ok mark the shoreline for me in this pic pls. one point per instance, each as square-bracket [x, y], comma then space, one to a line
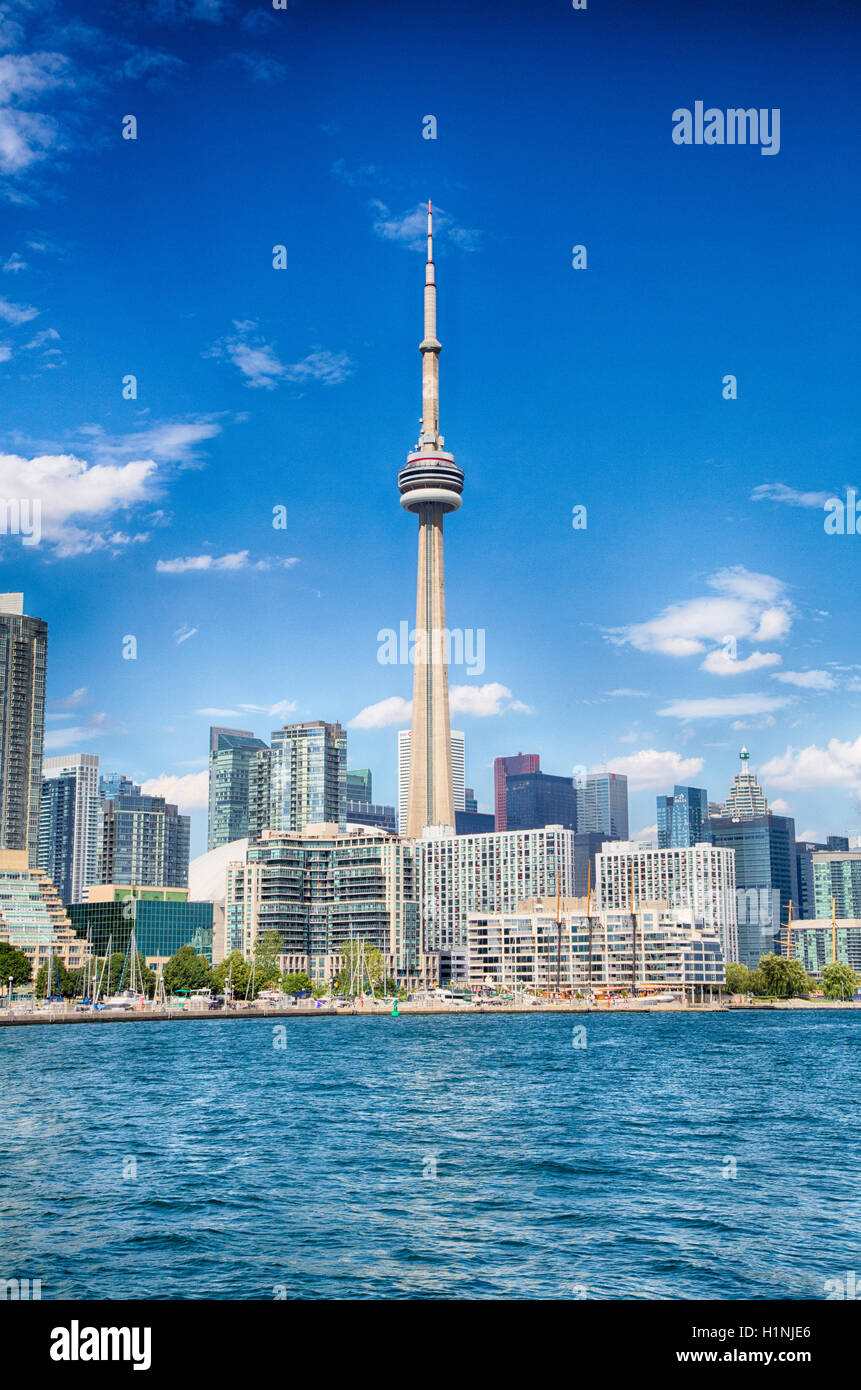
[24, 1020]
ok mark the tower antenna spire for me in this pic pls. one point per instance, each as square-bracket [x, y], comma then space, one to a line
[430, 349]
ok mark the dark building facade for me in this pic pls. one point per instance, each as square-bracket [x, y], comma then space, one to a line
[536, 799]
[502, 767]
[766, 878]
[683, 818]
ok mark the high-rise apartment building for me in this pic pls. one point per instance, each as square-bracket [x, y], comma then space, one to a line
[457, 743]
[322, 887]
[488, 873]
[232, 758]
[701, 877]
[69, 823]
[837, 883]
[804, 852]
[112, 783]
[765, 878]
[308, 782]
[602, 803]
[23, 659]
[683, 818]
[143, 841]
[534, 799]
[502, 768]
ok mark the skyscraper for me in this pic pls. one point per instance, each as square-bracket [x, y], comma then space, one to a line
[837, 883]
[534, 799]
[502, 767]
[457, 743]
[308, 784]
[766, 878]
[602, 803]
[23, 658]
[701, 877]
[69, 823]
[746, 798]
[683, 818]
[430, 486]
[232, 756]
[360, 784]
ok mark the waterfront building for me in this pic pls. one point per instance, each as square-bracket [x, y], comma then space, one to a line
[322, 887]
[683, 818]
[308, 782]
[69, 823]
[813, 943]
[765, 878]
[368, 813]
[700, 877]
[602, 803]
[143, 840]
[23, 659]
[746, 799]
[207, 881]
[534, 799]
[430, 485]
[837, 877]
[232, 756]
[657, 948]
[259, 793]
[514, 764]
[32, 916]
[164, 918]
[457, 743]
[488, 873]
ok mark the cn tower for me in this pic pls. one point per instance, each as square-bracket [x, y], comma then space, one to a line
[430, 485]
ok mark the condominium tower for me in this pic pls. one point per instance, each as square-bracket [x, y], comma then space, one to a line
[23, 656]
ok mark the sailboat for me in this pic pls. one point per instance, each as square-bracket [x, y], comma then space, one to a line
[132, 996]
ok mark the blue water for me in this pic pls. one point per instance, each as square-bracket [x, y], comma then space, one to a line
[560, 1171]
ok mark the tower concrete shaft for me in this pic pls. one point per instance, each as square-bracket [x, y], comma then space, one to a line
[430, 485]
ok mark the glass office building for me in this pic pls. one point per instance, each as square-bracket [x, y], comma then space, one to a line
[163, 920]
[23, 657]
[536, 799]
[837, 882]
[683, 818]
[602, 803]
[766, 877]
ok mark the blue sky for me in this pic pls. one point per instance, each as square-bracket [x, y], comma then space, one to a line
[299, 388]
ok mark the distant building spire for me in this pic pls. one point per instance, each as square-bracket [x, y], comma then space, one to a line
[430, 349]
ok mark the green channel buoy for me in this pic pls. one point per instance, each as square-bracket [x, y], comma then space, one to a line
[394, 1013]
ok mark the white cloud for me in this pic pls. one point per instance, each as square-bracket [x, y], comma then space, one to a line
[235, 560]
[649, 834]
[27, 136]
[76, 734]
[183, 633]
[483, 701]
[16, 313]
[261, 366]
[70, 489]
[747, 605]
[189, 792]
[614, 694]
[779, 492]
[783, 808]
[723, 707]
[651, 768]
[410, 228]
[394, 710]
[807, 680]
[73, 701]
[718, 662]
[14, 262]
[837, 765]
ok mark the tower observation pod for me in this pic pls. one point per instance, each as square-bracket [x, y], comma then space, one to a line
[430, 485]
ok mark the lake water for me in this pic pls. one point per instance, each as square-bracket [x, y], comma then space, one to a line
[434, 1157]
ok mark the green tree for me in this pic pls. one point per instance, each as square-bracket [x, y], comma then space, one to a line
[299, 980]
[61, 981]
[373, 967]
[737, 978]
[15, 963]
[185, 970]
[266, 952]
[757, 982]
[785, 979]
[235, 968]
[839, 981]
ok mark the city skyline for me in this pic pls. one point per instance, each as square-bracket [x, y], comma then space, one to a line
[704, 594]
